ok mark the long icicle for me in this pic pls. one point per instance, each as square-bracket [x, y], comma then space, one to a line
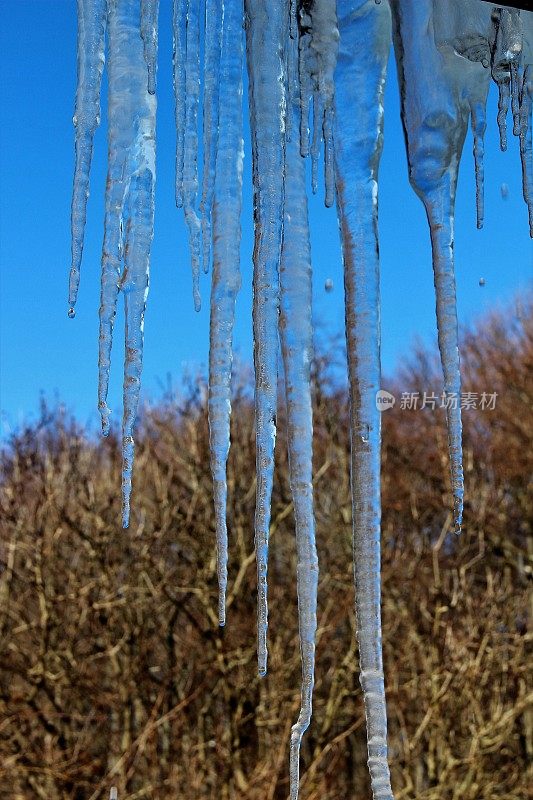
[436, 106]
[296, 334]
[226, 273]
[91, 57]
[129, 204]
[358, 136]
[211, 120]
[179, 27]
[266, 32]
[190, 146]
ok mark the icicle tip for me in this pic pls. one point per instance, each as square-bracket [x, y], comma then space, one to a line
[457, 515]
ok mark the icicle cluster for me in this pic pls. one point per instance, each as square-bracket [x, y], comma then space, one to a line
[333, 52]
[318, 44]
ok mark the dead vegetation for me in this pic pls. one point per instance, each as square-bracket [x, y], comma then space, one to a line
[113, 669]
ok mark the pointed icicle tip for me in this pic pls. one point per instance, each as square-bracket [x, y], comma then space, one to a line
[457, 515]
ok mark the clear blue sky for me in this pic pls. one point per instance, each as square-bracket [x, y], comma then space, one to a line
[42, 350]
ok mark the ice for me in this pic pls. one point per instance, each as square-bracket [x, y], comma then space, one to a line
[226, 272]
[91, 57]
[149, 15]
[365, 28]
[128, 225]
[266, 28]
[437, 102]
[317, 58]
[212, 75]
[190, 144]
[335, 54]
[296, 335]
[179, 24]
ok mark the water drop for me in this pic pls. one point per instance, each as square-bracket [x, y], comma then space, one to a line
[71, 313]
[328, 285]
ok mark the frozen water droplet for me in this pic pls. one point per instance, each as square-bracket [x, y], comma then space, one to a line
[71, 313]
[482, 281]
[504, 190]
[328, 285]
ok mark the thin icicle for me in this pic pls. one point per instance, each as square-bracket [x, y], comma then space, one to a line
[213, 32]
[440, 210]
[318, 116]
[359, 88]
[504, 94]
[129, 207]
[515, 102]
[190, 147]
[479, 125]
[305, 87]
[226, 273]
[526, 145]
[329, 172]
[296, 347]
[149, 20]
[91, 57]
[179, 26]
[319, 38]
[266, 29]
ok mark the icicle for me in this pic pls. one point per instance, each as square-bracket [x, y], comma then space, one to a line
[503, 107]
[329, 173]
[436, 105]
[113, 793]
[440, 211]
[515, 102]
[149, 15]
[190, 147]
[479, 125]
[266, 29]
[319, 39]
[129, 205]
[213, 32]
[506, 49]
[226, 273]
[359, 87]
[179, 24]
[318, 116]
[91, 35]
[305, 93]
[526, 145]
[296, 345]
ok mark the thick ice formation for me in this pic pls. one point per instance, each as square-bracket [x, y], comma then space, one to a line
[358, 138]
[335, 53]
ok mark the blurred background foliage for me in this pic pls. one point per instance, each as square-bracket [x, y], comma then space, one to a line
[113, 670]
